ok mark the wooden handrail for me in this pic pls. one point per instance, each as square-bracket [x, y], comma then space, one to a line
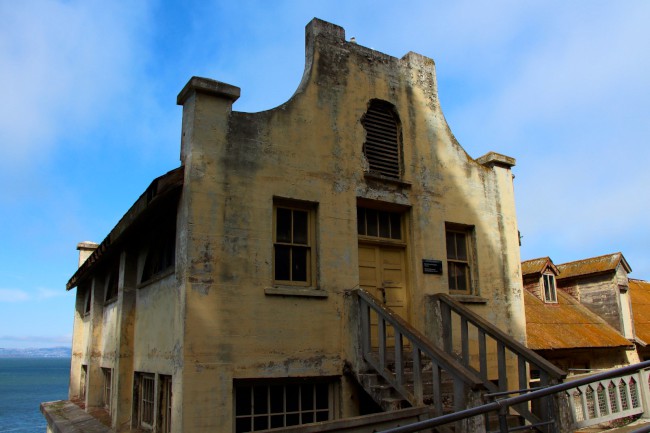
[443, 359]
[512, 344]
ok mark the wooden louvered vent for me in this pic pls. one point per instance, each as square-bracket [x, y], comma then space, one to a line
[382, 140]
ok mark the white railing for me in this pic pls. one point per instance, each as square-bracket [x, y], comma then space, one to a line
[610, 399]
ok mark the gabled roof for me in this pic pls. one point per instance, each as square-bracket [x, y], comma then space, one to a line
[593, 265]
[158, 191]
[567, 325]
[640, 297]
[537, 266]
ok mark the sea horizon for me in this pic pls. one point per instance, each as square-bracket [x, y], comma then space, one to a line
[25, 383]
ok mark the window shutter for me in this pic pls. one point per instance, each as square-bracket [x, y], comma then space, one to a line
[382, 140]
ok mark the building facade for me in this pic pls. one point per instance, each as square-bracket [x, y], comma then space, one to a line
[222, 300]
[564, 331]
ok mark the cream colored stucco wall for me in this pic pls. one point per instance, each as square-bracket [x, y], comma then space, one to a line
[310, 149]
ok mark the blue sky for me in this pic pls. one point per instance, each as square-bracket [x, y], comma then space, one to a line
[89, 117]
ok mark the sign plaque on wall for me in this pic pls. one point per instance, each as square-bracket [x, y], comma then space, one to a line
[430, 266]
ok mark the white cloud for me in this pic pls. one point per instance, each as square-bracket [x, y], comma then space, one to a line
[62, 64]
[14, 295]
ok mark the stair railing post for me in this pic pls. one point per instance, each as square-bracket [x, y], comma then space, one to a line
[399, 364]
[445, 310]
[644, 386]
[365, 326]
[381, 331]
[418, 389]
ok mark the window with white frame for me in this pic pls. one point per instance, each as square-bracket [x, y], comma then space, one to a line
[550, 290]
[460, 266]
[381, 224]
[145, 385]
[108, 385]
[275, 404]
[293, 243]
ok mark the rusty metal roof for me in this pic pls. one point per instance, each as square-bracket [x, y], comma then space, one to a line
[537, 266]
[567, 325]
[593, 265]
[640, 297]
[158, 190]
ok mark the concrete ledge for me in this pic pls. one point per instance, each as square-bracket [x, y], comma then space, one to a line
[66, 417]
[210, 87]
[492, 159]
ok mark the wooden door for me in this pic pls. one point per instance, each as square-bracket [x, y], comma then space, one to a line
[382, 272]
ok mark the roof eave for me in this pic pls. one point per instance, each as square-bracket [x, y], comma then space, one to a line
[159, 188]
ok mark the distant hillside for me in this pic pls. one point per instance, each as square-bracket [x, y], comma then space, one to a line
[34, 352]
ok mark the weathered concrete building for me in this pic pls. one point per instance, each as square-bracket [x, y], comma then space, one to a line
[564, 331]
[601, 284]
[228, 297]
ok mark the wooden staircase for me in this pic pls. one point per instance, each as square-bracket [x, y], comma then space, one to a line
[402, 368]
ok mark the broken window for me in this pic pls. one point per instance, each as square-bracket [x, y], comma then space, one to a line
[161, 254]
[276, 404]
[293, 238]
[382, 146]
[112, 282]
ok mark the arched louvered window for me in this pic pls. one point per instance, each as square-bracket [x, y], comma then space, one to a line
[382, 146]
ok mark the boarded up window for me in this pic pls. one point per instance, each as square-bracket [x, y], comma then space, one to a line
[382, 146]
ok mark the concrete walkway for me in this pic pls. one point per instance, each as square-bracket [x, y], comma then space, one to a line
[638, 424]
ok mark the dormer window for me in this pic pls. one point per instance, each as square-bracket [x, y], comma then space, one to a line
[550, 291]
[383, 136]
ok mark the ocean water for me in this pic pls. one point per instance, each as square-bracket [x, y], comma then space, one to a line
[24, 384]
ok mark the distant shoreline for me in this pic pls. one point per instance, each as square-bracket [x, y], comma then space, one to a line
[36, 352]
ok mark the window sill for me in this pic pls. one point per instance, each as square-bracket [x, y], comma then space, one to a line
[308, 292]
[160, 276]
[384, 179]
[469, 299]
[110, 301]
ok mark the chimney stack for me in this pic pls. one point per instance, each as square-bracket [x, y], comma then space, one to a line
[85, 248]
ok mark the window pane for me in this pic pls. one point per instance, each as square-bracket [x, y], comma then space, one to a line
[283, 225]
[277, 399]
[292, 398]
[461, 247]
[243, 403]
[322, 396]
[260, 400]
[243, 425]
[322, 416]
[307, 417]
[277, 421]
[307, 397]
[261, 423]
[461, 281]
[395, 226]
[293, 419]
[384, 225]
[282, 262]
[300, 227]
[371, 222]
[361, 221]
[299, 264]
[451, 245]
